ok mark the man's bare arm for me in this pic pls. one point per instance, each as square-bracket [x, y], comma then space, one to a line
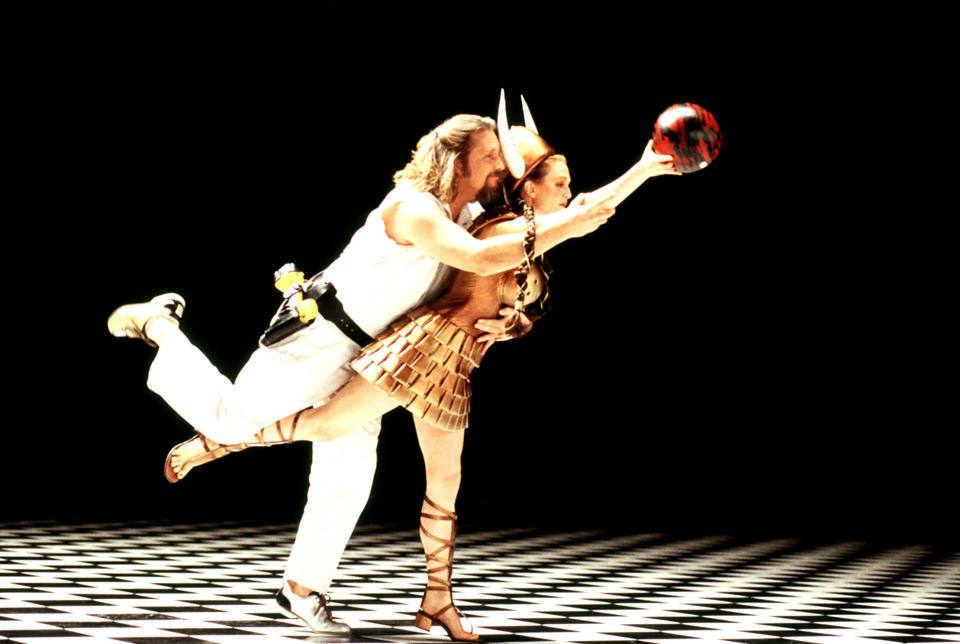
[422, 224]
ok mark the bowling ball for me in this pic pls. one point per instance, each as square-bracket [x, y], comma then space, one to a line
[689, 134]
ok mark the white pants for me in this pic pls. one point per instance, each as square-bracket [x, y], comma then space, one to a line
[340, 478]
[299, 372]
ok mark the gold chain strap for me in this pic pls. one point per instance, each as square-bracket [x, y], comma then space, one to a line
[529, 242]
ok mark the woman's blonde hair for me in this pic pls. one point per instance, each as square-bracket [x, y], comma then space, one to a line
[432, 167]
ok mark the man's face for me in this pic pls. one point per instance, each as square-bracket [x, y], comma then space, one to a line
[483, 169]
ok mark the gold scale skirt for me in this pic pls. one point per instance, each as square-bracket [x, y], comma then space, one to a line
[423, 362]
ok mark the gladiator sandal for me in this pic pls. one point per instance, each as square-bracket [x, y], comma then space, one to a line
[456, 625]
[200, 449]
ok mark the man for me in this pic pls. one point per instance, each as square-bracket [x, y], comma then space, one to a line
[400, 258]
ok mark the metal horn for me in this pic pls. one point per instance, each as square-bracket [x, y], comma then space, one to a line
[527, 117]
[510, 154]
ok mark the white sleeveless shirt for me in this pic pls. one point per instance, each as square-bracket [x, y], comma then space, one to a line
[378, 279]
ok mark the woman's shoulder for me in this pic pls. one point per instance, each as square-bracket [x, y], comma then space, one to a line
[491, 221]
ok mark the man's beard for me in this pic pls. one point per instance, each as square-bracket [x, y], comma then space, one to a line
[489, 194]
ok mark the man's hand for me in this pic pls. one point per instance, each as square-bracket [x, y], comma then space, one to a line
[508, 326]
[589, 211]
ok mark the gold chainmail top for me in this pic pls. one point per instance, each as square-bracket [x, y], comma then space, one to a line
[424, 359]
[535, 274]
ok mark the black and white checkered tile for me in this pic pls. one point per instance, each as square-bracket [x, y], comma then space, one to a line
[153, 582]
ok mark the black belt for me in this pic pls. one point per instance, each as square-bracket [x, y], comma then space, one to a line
[330, 307]
[287, 321]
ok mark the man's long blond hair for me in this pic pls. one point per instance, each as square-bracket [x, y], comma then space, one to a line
[433, 166]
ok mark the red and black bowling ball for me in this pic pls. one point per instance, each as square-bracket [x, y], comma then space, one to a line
[689, 134]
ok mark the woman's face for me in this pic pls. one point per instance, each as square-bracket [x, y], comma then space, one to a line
[552, 192]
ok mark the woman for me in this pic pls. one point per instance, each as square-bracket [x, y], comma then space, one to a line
[424, 360]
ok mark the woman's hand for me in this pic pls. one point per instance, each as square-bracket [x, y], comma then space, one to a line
[656, 164]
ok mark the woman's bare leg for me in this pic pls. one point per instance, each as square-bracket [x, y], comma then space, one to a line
[441, 451]
[354, 405]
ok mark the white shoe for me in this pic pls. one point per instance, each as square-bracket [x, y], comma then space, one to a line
[313, 611]
[132, 320]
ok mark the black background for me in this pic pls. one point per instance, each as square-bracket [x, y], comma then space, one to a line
[738, 350]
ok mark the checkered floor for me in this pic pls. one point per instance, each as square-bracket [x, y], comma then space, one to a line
[154, 582]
